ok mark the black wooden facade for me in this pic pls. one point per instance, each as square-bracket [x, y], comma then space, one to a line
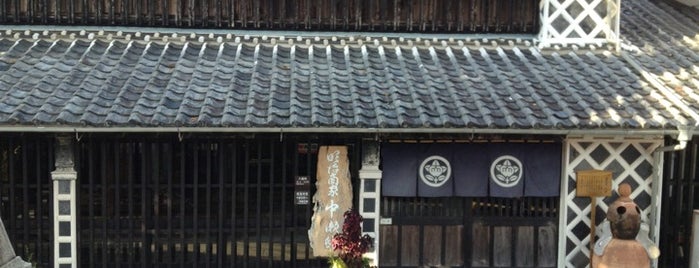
[454, 16]
[469, 232]
[26, 193]
[155, 201]
[215, 200]
[680, 199]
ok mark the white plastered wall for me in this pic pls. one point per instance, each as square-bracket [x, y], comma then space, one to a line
[632, 160]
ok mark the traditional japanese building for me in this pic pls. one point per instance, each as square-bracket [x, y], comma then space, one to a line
[216, 132]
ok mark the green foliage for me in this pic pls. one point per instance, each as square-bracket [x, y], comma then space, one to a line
[336, 262]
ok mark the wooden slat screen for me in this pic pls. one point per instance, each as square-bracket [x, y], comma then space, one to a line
[26, 190]
[201, 202]
[680, 199]
[469, 232]
[492, 16]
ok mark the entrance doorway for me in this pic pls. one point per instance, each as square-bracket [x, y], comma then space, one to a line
[469, 232]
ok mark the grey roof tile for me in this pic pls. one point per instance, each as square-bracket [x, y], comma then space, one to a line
[666, 47]
[247, 84]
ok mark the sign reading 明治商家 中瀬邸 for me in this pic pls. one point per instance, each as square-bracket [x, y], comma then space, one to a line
[332, 199]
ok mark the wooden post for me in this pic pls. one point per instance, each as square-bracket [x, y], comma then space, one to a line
[694, 258]
[593, 224]
[593, 184]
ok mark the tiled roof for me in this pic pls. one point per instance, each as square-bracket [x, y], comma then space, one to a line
[109, 80]
[668, 46]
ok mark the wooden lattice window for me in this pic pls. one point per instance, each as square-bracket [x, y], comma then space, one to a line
[580, 22]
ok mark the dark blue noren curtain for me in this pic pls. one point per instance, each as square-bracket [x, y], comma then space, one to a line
[401, 169]
[399, 166]
[509, 153]
[530, 169]
[470, 174]
[542, 169]
[426, 157]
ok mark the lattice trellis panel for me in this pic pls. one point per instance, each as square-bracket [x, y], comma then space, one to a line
[631, 161]
[580, 22]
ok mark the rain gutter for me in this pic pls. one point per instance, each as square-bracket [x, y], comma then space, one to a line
[602, 132]
[684, 135]
[267, 33]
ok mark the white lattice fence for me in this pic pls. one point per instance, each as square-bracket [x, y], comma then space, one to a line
[631, 161]
[580, 22]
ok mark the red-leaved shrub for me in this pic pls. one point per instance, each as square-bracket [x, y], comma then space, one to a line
[350, 244]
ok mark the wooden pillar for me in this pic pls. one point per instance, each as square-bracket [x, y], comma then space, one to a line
[64, 206]
[370, 195]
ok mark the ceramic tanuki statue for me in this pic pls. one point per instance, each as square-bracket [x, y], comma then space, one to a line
[621, 248]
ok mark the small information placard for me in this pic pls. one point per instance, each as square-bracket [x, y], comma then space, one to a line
[302, 190]
[594, 183]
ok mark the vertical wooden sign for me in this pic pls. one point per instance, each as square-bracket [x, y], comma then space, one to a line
[332, 198]
[593, 184]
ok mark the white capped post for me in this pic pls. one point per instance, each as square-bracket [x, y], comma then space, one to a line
[370, 195]
[64, 206]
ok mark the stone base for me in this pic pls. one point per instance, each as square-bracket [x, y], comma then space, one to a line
[17, 262]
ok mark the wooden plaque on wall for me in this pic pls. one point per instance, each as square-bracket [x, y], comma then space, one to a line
[594, 183]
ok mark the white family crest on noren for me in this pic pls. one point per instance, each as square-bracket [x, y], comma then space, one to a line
[506, 171]
[435, 171]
